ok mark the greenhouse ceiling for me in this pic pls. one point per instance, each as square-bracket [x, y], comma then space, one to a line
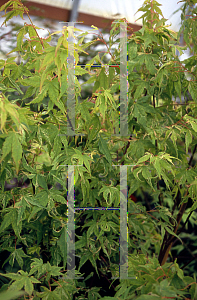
[101, 13]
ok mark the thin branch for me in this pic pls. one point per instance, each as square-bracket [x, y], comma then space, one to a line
[193, 258]
[192, 156]
[179, 218]
[26, 11]
[154, 101]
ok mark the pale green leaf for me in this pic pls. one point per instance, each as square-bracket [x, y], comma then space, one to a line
[7, 145]
[188, 140]
[104, 149]
[143, 159]
[7, 220]
[16, 149]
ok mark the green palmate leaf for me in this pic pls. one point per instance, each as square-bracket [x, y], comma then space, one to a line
[111, 191]
[157, 166]
[22, 280]
[150, 65]
[48, 294]
[139, 91]
[27, 167]
[80, 71]
[171, 232]
[177, 85]
[144, 158]
[40, 96]
[56, 196]
[16, 150]
[42, 182]
[10, 295]
[147, 175]
[18, 255]
[15, 85]
[30, 91]
[111, 74]
[92, 132]
[62, 243]
[20, 37]
[7, 220]
[88, 256]
[7, 145]
[23, 205]
[64, 85]
[91, 61]
[48, 59]
[33, 81]
[83, 260]
[111, 99]
[13, 144]
[104, 149]
[103, 107]
[3, 115]
[174, 137]
[188, 140]
[194, 126]
[86, 160]
[132, 49]
[11, 218]
[40, 200]
[192, 89]
[8, 108]
[37, 266]
[149, 297]
[104, 81]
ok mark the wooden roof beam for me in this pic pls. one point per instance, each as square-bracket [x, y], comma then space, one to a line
[62, 14]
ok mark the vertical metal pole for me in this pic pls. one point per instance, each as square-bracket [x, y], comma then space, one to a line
[71, 85]
[123, 83]
[123, 225]
[74, 11]
[70, 225]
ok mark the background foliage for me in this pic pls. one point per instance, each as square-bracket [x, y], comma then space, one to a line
[34, 149]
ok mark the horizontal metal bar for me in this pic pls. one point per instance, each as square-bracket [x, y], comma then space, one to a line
[96, 208]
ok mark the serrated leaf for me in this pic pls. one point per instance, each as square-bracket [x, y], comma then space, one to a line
[132, 49]
[93, 131]
[188, 140]
[157, 167]
[104, 149]
[57, 197]
[62, 243]
[16, 150]
[150, 65]
[20, 37]
[194, 126]
[80, 71]
[42, 182]
[41, 95]
[28, 167]
[7, 146]
[3, 116]
[32, 81]
[139, 91]
[171, 232]
[48, 58]
[86, 161]
[7, 220]
[104, 80]
[10, 295]
[177, 85]
[103, 107]
[145, 173]
[144, 158]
